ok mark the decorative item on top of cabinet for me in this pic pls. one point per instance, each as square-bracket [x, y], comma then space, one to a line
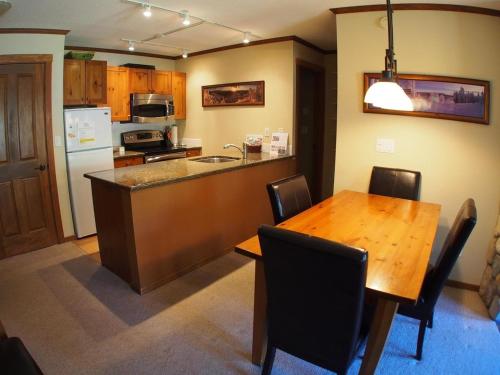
[127, 162]
[179, 93]
[84, 82]
[118, 93]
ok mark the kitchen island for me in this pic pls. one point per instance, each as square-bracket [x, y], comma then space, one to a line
[156, 222]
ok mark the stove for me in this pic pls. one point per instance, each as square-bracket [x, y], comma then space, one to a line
[153, 144]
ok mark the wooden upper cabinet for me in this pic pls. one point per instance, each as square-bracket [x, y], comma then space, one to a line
[140, 80]
[74, 82]
[161, 82]
[179, 93]
[118, 93]
[95, 81]
[84, 82]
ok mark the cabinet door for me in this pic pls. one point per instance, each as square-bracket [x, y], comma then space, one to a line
[161, 82]
[74, 82]
[135, 160]
[118, 93]
[179, 93]
[95, 81]
[140, 80]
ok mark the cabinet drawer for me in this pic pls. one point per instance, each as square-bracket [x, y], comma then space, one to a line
[127, 162]
[193, 152]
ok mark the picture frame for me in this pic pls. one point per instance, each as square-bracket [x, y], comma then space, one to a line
[234, 94]
[441, 97]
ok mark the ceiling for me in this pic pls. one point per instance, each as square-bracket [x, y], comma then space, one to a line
[104, 23]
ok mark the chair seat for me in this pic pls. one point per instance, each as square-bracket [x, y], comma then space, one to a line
[15, 358]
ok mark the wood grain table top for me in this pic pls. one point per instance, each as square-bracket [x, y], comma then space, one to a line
[397, 233]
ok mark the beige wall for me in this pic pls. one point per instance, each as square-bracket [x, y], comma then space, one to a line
[216, 126]
[457, 159]
[54, 45]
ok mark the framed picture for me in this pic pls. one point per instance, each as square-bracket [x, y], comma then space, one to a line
[440, 97]
[233, 94]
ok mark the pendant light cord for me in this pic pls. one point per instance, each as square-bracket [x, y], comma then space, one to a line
[390, 62]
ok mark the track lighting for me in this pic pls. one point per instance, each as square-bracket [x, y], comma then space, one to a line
[184, 54]
[186, 21]
[246, 37]
[147, 9]
[131, 46]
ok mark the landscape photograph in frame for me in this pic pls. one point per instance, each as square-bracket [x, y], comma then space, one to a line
[233, 94]
[440, 97]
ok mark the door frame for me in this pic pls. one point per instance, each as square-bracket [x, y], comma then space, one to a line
[299, 63]
[46, 60]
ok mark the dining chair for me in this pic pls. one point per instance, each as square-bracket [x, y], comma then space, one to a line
[288, 197]
[315, 298]
[14, 357]
[394, 182]
[435, 279]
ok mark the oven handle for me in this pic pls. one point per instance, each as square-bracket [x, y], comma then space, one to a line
[174, 155]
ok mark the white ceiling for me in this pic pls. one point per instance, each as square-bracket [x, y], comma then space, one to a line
[103, 23]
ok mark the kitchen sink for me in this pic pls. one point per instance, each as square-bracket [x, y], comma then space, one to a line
[215, 159]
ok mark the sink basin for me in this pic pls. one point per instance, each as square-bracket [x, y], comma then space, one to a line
[215, 159]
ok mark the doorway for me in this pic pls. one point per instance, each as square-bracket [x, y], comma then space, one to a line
[310, 125]
[29, 218]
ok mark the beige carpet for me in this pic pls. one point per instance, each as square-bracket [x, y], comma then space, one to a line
[76, 317]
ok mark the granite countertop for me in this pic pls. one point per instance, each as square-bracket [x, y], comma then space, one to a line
[171, 171]
[127, 154]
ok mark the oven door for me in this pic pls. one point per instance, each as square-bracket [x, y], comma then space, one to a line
[162, 157]
[150, 108]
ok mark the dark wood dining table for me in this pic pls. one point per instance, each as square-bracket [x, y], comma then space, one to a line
[398, 235]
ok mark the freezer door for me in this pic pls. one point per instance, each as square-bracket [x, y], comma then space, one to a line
[87, 128]
[80, 163]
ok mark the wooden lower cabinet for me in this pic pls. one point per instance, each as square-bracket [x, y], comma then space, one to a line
[127, 162]
[152, 235]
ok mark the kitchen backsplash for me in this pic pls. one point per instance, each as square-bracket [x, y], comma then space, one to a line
[117, 128]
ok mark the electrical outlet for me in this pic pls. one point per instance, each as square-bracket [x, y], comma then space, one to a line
[385, 145]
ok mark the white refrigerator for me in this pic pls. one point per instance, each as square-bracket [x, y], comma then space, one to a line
[89, 148]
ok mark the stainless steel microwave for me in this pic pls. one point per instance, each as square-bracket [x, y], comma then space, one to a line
[148, 108]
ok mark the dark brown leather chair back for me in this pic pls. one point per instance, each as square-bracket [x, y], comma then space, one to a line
[457, 237]
[315, 296]
[288, 197]
[393, 182]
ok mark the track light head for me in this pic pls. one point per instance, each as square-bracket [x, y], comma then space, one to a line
[186, 20]
[246, 37]
[131, 46]
[184, 54]
[147, 9]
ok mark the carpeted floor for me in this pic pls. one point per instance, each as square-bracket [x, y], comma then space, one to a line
[78, 318]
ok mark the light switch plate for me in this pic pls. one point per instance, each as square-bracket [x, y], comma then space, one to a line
[385, 145]
[58, 141]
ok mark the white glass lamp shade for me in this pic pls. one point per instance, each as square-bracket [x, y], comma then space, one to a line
[388, 95]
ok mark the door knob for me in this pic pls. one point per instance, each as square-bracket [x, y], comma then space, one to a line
[41, 167]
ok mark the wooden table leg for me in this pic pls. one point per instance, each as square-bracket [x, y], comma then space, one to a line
[259, 315]
[379, 331]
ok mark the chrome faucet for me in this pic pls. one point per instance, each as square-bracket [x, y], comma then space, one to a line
[243, 149]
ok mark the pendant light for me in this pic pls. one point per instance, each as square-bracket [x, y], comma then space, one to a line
[386, 93]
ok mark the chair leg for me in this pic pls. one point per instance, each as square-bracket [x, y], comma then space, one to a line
[268, 362]
[431, 320]
[420, 342]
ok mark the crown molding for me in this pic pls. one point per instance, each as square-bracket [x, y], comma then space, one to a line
[418, 6]
[119, 51]
[33, 31]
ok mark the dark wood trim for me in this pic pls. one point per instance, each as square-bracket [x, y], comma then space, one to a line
[20, 30]
[418, 6]
[461, 285]
[120, 52]
[259, 42]
[46, 60]
[319, 126]
[69, 238]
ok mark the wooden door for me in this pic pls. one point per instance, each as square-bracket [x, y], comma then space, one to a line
[161, 82]
[140, 80]
[74, 82]
[95, 82]
[118, 93]
[26, 216]
[179, 93]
